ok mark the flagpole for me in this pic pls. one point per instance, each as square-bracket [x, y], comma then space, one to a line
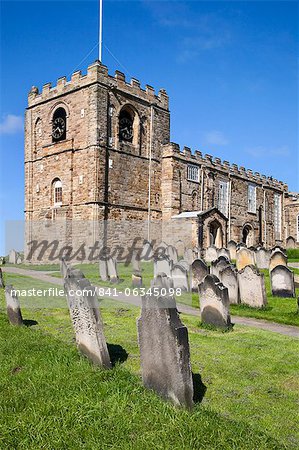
[100, 29]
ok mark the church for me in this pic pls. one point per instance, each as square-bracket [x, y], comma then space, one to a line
[98, 151]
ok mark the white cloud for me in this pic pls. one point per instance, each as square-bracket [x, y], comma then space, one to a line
[264, 152]
[215, 137]
[11, 124]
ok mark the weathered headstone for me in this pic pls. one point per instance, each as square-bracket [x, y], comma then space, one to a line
[147, 252]
[19, 259]
[135, 261]
[262, 258]
[282, 282]
[12, 257]
[184, 264]
[180, 277]
[278, 248]
[277, 259]
[245, 257]
[180, 246]
[290, 242]
[13, 306]
[218, 265]
[199, 272]
[229, 278]
[164, 350]
[223, 252]
[162, 281]
[63, 267]
[112, 270]
[172, 253]
[1, 279]
[188, 255]
[162, 265]
[252, 287]
[86, 318]
[103, 269]
[136, 280]
[214, 302]
[211, 253]
[232, 248]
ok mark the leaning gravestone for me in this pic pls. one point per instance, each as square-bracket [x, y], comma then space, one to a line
[277, 259]
[199, 272]
[1, 279]
[147, 252]
[86, 318]
[262, 258]
[252, 287]
[12, 257]
[112, 270]
[229, 278]
[245, 257]
[214, 302]
[135, 261]
[162, 265]
[211, 253]
[180, 277]
[282, 282]
[232, 248]
[223, 252]
[13, 306]
[290, 242]
[172, 253]
[164, 350]
[218, 265]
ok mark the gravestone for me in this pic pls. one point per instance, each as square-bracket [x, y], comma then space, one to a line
[172, 253]
[199, 272]
[13, 306]
[290, 242]
[103, 269]
[86, 318]
[252, 287]
[278, 248]
[162, 265]
[262, 258]
[180, 277]
[184, 264]
[180, 246]
[229, 278]
[12, 257]
[232, 248]
[135, 261]
[147, 252]
[188, 255]
[112, 270]
[162, 281]
[164, 350]
[211, 253]
[1, 279]
[218, 265]
[245, 257]
[19, 259]
[282, 282]
[136, 280]
[63, 267]
[277, 259]
[223, 252]
[214, 302]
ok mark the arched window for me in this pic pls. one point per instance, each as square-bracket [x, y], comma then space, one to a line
[59, 125]
[57, 192]
[126, 124]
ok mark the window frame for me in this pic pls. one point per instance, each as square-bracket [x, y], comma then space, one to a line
[191, 168]
[57, 193]
[251, 206]
[277, 216]
[223, 210]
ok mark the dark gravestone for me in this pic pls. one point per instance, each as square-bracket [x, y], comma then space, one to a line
[218, 265]
[13, 306]
[1, 279]
[282, 282]
[164, 350]
[199, 272]
[86, 318]
[214, 302]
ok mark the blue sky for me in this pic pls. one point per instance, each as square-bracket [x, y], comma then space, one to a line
[230, 69]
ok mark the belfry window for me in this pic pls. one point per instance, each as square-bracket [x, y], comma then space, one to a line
[57, 193]
[59, 125]
[126, 122]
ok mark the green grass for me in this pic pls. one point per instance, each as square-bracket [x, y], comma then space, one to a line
[52, 398]
[38, 267]
[293, 254]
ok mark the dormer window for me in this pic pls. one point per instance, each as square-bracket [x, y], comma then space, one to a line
[59, 125]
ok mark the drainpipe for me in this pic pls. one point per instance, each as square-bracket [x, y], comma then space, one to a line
[229, 204]
[265, 221]
[202, 189]
[149, 176]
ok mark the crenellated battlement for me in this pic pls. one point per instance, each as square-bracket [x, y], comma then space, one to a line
[98, 72]
[196, 157]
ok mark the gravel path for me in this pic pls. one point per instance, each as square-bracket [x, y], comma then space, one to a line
[288, 330]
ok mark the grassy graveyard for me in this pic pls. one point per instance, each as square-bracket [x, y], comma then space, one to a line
[246, 388]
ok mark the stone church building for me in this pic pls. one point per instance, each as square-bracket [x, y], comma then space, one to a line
[98, 150]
